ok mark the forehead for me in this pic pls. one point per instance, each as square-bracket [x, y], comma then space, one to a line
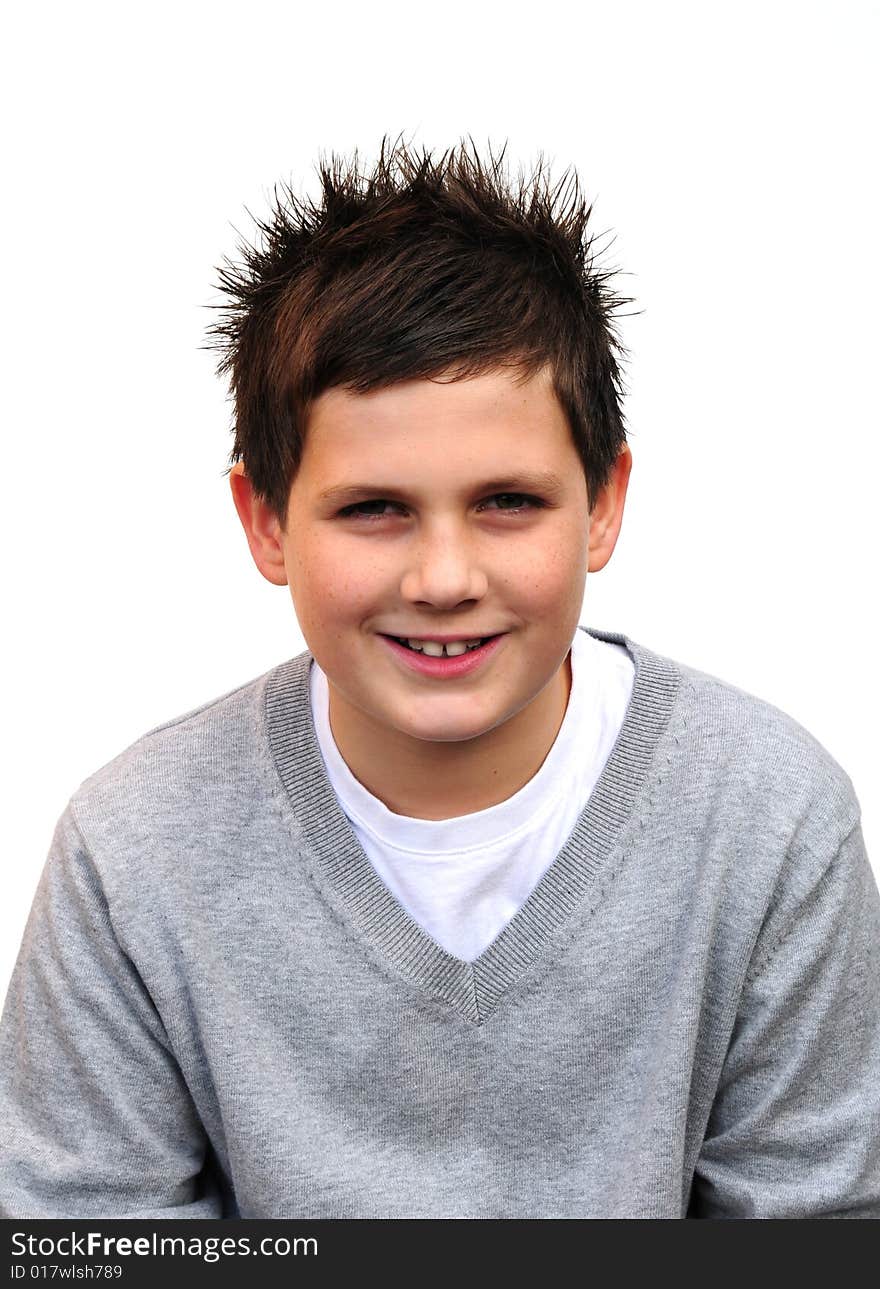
[495, 411]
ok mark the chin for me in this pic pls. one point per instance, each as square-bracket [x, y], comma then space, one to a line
[462, 731]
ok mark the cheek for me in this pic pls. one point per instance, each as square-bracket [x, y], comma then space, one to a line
[553, 572]
[333, 584]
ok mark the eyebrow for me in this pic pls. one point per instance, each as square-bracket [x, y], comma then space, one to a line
[524, 481]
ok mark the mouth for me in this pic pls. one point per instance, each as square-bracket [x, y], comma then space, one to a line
[468, 647]
[443, 665]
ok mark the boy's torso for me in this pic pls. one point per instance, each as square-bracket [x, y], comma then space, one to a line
[344, 1065]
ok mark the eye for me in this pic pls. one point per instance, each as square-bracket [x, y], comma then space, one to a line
[534, 503]
[358, 505]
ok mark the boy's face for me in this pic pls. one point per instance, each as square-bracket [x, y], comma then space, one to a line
[450, 552]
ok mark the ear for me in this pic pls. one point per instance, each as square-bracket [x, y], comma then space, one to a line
[606, 515]
[261, 526]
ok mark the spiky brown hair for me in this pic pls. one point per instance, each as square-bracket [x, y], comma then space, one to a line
[421, 268]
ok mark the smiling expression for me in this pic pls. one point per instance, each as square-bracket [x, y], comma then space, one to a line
[439, 508]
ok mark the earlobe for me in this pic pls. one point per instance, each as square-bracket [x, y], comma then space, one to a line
[606, 516]
[260, 525]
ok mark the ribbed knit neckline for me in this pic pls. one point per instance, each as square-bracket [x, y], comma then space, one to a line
[472, 988]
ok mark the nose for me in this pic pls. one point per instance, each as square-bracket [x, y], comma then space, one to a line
[443, 570]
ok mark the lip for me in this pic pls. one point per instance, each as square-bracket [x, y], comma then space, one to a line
[443, 668]
[417, 635]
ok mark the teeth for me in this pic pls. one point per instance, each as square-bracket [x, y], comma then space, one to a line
[435, 650]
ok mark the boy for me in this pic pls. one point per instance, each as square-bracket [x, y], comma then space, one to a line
[542, 925]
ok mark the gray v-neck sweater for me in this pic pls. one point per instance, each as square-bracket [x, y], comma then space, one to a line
[219, 1009]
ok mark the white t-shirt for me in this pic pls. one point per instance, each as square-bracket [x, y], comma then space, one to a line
[463, 879]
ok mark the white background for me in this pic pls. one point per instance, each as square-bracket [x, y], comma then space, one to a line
[729, 148]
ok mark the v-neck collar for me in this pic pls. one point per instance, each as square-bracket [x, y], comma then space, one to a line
[473, 989]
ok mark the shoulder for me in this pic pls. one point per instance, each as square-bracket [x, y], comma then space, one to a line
[755, 808]
[746, 730]
[173, 752]
[756, 760]
[745, 758]
[180, 786]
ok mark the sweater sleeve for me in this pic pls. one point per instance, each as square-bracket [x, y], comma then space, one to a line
[95, 1116]
[794, 1131]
